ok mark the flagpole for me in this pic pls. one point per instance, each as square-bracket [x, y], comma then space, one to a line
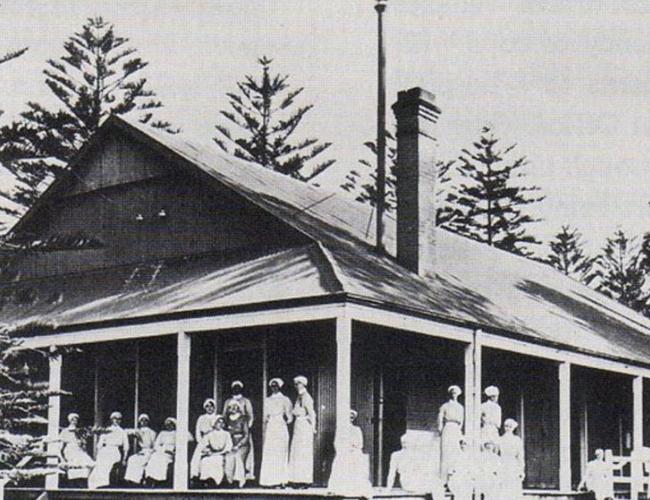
[380, 7]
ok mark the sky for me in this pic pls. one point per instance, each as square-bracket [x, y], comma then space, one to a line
[568, 82]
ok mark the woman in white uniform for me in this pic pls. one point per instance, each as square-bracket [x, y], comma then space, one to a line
[491, 417]
[236, 387]
[145, 438]
[598, 478]
[511, 449]
[301, 456]
[74, 458]
[461, 475]
[351, 467]
[216, 445]
[112, 449]
[450, 425]
[275, 452]
[204, 425]
[163, 453]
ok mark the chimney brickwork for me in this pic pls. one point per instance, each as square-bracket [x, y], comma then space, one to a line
[416, 116]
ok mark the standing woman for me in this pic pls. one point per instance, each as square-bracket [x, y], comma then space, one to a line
[491, 417]
[275, 452]
[450, 426]
[113, 448]
[512, 462]
[204, 425]
[301, 457]
[74, 458]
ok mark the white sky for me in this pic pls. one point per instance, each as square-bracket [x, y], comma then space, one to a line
[568, 81]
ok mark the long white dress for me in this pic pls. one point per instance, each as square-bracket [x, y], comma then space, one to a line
[301, 456]
[450, 419]
[351, 467]
[216, 445]
[247, 410]
[490, 422]
[511, 449]
[111, 447]
[135, 465]
[416, 473]
[163, 454]
[275, 452]
[204, 425]
[76, 461]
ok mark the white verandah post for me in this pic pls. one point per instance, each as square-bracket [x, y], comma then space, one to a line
[637, 436]
[53, 417]
[181, 466]
[343, 391]
[564, 378]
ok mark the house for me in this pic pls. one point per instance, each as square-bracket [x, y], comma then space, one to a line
[174, 269]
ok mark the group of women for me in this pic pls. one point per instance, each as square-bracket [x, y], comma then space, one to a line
[150, 462]
[499, 471]
[224, 454]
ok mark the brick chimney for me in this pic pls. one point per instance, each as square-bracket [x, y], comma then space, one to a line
[416, 116]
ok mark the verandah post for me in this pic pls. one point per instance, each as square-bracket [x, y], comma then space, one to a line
[637, 436]
[181, 466]
[343, 381]
[53, 417]
[564, 378]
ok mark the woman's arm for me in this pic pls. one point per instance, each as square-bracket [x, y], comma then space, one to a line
[311, 412]
[288, 413]
[441, 418]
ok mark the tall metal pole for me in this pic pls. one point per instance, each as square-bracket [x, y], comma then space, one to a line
[380, 7]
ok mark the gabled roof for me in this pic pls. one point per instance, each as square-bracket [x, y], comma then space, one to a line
[476, 284]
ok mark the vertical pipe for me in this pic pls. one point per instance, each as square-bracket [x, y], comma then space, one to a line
[53, 418]
[215, 370]
[380, 7]
[477, 360]
[469, 391]
[183, 350]
[564, 377]
[637, 435]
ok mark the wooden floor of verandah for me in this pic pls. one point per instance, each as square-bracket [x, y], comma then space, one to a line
[236, 494]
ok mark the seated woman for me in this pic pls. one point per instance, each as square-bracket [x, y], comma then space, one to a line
[74, 459]
[490, 472]
[162, 456]
[461, 475]
[204, 425]
[351, 467]
[112, 450]
[145, 438]
[599, 477]
[237, 426]
[214, 448]
[417, 472]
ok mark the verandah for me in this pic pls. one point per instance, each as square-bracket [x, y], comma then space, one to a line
[423, 356]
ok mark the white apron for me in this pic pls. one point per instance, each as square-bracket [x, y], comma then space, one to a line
[162, 456]
[136, 463]
[512, 466]
[301, 456]
[217, 444]
[451, 419]
[275, 452]
[77, 462]
[204, 426]
[109, 452]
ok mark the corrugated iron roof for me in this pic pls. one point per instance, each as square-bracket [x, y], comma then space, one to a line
[475, 283]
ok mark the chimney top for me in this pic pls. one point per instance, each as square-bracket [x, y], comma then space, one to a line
[417, 97]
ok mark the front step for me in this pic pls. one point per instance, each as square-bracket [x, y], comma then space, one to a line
[246, 494]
